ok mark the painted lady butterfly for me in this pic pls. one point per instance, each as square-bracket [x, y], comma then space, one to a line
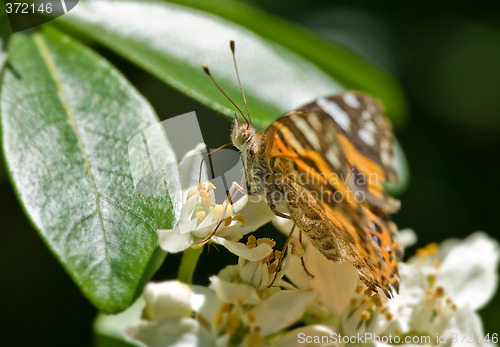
[321, 166]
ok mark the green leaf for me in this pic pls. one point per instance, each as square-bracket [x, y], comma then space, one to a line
[276, 60]
[69, 121]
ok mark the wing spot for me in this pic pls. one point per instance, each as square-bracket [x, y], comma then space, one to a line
[351, 100]
[336, 113]
[385, 157]
[370, 126]
[367, 137]
[366, 115]
[308, 132]
[377, 227]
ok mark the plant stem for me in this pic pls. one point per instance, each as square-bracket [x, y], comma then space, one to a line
[188, 264]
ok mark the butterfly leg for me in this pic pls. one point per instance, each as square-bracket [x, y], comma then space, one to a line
[302, 258]
[284, 248]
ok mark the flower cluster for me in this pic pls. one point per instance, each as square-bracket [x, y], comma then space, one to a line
[268, 299]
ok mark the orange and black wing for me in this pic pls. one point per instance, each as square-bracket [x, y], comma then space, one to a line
[309, 153]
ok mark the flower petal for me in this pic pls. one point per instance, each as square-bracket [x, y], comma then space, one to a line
[170, 332]
[172, 241]
[189, 167]
[234, 292]
[241, 250]
[469, 271]
[255, 211]
[278, 312]
[167, 299]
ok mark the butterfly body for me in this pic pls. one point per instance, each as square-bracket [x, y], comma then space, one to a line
[322, 165]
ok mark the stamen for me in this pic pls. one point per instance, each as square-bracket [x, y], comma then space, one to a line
[389, 316]
[211, 186]
[429, 250]
[359, 289]
[233, 322]
[365, 316]
[440, 292]
[354, 301]
[218, 211]
[201, 215]
[227, 221]
[255, 340]
[267, 240]
[240, 219]
[251, 316]
[377, 300]
[251, 242]
[191, 192]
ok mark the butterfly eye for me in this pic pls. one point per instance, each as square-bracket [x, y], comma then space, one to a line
[245, 136]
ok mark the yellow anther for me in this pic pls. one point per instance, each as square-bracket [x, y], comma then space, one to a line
[440, 292]
[277, 254]
[251, 242]
[429, 250]
[273, 268]
[204, 194]
[201, 215]
[267, 240]
[211, 186]
[233, 322]
[377, 300]
[227, 221]
[201, 186]
[255, 340]
[359, 289]
[354, 301]
[218, 212]
[389, 316]
[368, 292]
[251, 316]
[454, 307]
[191, 192]
[219, 315]
[240, 219]
[365, 315]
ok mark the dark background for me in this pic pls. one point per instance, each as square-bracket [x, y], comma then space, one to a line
[446, 56]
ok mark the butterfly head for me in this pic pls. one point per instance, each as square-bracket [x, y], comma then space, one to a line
[242, 134]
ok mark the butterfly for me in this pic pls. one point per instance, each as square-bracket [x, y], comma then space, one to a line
[322, 165]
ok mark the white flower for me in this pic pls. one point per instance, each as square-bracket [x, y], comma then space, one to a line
[200, 214]
[441, 289]
[167, 317]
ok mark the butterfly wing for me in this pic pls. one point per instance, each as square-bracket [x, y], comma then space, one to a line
[306, 150]
[367, 142]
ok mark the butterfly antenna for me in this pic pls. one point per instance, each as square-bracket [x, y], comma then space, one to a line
[205, 68]
[207, 155]
[233, 48]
